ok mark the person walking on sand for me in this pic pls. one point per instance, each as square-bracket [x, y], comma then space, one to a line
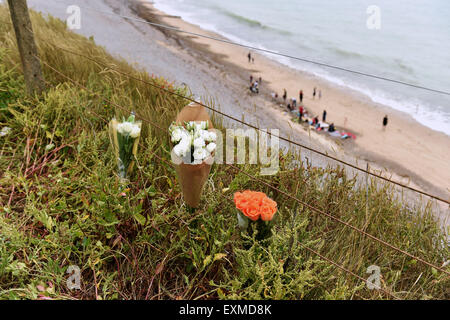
[284, 95]
[300, 114]
[385, 122]
[251, 79]
[300, 95]
[249, 57]
[324, 116]
[314, 93]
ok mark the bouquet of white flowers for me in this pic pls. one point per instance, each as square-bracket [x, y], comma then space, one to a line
[193, 142]
[194, 145]
[125, 139]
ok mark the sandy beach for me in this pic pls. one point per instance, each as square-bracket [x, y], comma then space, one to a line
[406, 151]
[406, 147]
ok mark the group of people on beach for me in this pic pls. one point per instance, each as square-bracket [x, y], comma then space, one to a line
[302, 113]
[254, 85]
[297, 107]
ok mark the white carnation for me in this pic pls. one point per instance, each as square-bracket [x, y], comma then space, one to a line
[135, 131]
[5, 131]
[211, 147]
[125, 128]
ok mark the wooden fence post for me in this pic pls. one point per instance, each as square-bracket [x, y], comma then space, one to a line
[32, 70]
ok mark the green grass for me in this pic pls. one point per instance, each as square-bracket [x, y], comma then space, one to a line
[61, 203]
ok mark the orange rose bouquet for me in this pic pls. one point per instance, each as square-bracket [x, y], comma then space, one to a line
[255, 208]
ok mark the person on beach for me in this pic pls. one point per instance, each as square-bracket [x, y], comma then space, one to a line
[251, 79]
[331, 128]
[260, 80]
[324, 116]
[385, 122]
[320, 94]
[315, 122]
[289, 107]
[300, 95]
[249, 57]
[253, 60]
[284, 95]
[300, 114]
[294, 103]
[314, 93]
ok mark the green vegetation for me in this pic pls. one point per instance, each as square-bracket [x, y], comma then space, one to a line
[61, 203]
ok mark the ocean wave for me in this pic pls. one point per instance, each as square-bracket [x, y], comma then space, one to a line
[344, 53]
[250, 22]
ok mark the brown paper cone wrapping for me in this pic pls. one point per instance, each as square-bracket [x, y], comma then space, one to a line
[192, 178]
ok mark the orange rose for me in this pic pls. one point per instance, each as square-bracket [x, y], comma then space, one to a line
[255, 204]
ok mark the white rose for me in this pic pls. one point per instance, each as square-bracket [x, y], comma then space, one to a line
[135, 132]
[186, 142]
[200, 154]
[199, 143]
[212, 136]
[177, 135]
[178, 150]
[185, 135]
[211, 147]
[205, 135]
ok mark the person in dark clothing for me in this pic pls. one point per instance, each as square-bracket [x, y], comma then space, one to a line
[289, 107]
[385, 122]
[316, 122]
[324, 116]
[300, 95]
[284, 95]
[331, 128]
[251, 79]
[314, 93]
[300, 113]
[249, 57]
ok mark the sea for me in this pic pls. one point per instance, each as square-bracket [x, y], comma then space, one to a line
[403, 40]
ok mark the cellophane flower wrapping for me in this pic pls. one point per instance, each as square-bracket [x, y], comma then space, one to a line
[125, 140]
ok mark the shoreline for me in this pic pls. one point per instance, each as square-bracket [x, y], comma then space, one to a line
[431, 173]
